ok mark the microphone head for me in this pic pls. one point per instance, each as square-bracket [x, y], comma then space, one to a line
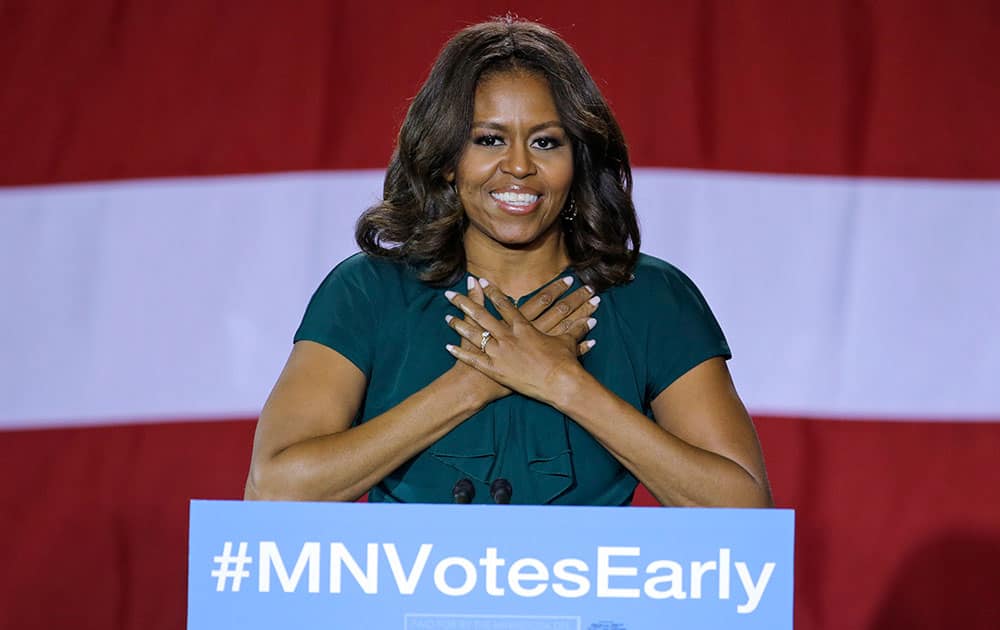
[464, 491]
[501, 491]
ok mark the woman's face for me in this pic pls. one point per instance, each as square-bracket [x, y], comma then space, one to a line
[514, 175]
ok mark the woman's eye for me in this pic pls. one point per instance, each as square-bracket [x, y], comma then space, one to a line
[489, 140]
[547, 143]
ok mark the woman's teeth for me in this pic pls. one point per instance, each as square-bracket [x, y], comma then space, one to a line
[515, 199]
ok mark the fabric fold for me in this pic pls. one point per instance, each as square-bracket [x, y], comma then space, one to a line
[532, 451]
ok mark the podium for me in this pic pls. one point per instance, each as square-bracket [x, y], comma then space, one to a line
[256, 565]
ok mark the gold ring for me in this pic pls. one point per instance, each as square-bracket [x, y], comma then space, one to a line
[486, 339]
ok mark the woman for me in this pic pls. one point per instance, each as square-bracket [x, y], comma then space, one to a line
[463, 342]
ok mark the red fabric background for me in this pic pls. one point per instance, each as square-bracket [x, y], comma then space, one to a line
[113, 90]
[898, 523]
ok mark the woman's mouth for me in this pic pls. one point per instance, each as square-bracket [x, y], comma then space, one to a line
[516, 202]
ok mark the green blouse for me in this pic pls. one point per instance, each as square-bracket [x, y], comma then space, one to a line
[382, 318]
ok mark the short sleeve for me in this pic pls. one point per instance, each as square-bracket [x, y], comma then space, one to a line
[343, 312]
[683, 331]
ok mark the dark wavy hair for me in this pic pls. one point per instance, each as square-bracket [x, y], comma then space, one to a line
[420, 219]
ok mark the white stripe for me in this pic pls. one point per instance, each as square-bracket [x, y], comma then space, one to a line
[842, 297]
[178, 298]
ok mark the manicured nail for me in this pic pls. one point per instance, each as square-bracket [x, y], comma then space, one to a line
[595, 300]
[589, 289]
[450, 295]
[448, 318]
[567, 280]
[449, 348]
[591, 322]
[483, 282]
[590, 343]
[470, 283]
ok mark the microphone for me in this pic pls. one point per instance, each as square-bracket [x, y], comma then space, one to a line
[464, 491]
[501, 491]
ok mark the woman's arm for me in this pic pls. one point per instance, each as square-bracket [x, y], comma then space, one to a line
[305, 447]
[702, 450]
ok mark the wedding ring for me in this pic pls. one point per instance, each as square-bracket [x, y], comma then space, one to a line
[486, 340]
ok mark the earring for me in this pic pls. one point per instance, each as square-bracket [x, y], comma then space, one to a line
[569, 212]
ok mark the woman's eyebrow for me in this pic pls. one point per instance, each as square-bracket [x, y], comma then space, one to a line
[501, 127]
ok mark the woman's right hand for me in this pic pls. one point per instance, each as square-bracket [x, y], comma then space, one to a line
[544, 310]
[487, 389]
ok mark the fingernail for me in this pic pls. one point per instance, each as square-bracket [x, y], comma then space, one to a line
[595, 300]
[484, 282]
[470, 283]
[589, 289]
[448, 318]
[450, 295]
[567, 280]
[449, 347]
[591, 322]
[590, 343]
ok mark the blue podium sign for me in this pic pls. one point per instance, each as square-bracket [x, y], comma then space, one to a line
[487, 567]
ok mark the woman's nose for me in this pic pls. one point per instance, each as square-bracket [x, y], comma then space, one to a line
[518, 162]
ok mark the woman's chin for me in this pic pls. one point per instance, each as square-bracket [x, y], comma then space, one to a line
[523, 236]
[521, 241]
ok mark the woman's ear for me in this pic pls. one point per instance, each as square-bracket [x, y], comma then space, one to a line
[449, 176]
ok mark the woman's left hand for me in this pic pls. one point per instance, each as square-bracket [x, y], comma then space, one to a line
[517, 354]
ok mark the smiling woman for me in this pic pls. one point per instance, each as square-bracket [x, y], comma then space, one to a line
[459, 357]
[514, 178]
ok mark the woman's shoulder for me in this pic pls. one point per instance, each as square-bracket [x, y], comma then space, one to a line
[384, 283]
[662, 300]
[649, 265]
[660, 292]
[654, 277]
[362, 268]
[360, 286]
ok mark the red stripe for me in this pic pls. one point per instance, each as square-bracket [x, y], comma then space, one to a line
[112, 90]
[885, 513]
[100, 516]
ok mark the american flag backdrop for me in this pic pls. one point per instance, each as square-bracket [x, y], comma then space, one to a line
[176, 178]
